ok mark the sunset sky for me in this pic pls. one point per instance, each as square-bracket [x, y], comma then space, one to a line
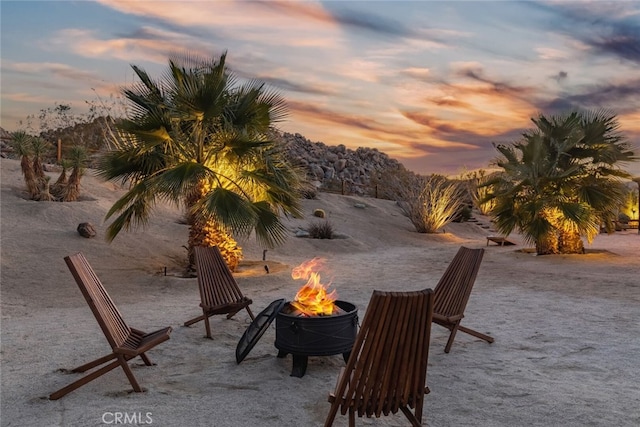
[430, 83]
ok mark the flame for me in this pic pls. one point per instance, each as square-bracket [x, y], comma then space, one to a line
[312, 299]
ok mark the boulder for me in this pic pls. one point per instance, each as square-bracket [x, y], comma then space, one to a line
[86, 229]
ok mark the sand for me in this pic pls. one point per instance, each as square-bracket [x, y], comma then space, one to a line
[566, 328]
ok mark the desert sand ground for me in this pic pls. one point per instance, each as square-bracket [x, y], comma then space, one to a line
[566, 328]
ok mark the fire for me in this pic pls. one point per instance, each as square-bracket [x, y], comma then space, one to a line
[312, 299]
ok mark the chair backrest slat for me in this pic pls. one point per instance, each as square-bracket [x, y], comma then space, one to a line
[215, 280]
[388, 362]
[454, 288]
[106, 313]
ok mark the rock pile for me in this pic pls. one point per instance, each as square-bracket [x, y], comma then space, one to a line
[338, 167]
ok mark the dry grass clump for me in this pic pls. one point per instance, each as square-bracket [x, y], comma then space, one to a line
[321, 230]
[433, 202]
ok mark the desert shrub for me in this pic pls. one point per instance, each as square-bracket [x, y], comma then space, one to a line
[433, 202]
[309, 192]
[393, 184]
[321, 230]
[478, 190]
[464, 215]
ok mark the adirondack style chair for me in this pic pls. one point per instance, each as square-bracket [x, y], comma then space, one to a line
[387, 369]
[452, 294]
[219, 291]
[126, 343]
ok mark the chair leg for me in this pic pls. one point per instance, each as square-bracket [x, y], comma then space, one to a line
[415, 421]
[452, 336]
[204, 317]
[194, 320]
[84, 380]
[477, 334]
[332, 414]
[232, 313]
[352, 417]
[250, 313]
[122, 360]
[146, 359]
[207, 326]
[95, 363]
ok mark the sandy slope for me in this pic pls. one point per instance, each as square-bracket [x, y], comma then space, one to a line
[566, 327]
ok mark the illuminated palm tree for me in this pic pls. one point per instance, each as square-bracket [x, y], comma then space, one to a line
[198, 139]
[561, 181]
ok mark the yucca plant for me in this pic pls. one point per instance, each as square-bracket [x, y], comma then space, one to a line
[77, 160]
[22, 145]
[40, 149]
[58, 187]
[45, 192]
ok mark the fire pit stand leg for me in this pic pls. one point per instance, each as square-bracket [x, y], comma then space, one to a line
[299, 365]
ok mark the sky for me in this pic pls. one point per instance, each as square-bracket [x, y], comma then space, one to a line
[433, 84]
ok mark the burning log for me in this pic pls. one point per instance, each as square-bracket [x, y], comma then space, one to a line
[293, 311]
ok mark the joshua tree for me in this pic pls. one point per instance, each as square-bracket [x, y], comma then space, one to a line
[198, 139]
[560, 181]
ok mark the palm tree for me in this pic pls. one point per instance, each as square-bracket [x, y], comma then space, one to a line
[199, 139]
[561, 181]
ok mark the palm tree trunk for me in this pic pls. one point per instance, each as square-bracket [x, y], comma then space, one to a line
[547, 244]
[569, 242]
[207, 232]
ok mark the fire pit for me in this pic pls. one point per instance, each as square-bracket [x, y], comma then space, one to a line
[325, 335]
[315, 323]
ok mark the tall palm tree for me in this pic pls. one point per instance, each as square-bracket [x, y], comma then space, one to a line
[199, 139]
[560, 182]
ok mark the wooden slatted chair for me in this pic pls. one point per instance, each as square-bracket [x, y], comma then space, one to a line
[126, 343]
[219, 291]
[452, 294]
[387, 369]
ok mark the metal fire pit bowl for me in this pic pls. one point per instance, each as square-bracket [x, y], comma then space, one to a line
[304, 336]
